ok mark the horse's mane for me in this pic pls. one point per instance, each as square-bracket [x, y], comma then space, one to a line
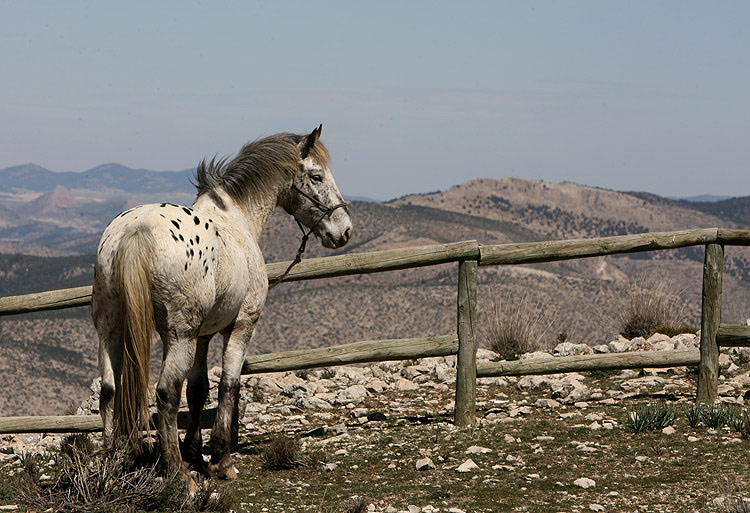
[258, 167]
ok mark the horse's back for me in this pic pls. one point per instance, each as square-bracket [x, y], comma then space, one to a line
[198, 275]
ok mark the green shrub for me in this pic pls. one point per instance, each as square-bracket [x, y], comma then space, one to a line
[718, 415]
[693, 414]
[328, 374]
[650, 417]
[740, 422]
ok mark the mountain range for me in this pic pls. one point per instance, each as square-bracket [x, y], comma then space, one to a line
[49, 230]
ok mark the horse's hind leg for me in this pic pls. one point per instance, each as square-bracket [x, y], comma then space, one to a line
[197, 391]
[110, 361]
[177, 361]
[235, 348]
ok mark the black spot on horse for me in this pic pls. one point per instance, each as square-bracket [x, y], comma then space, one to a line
[197, 239]
[192, 252]
[196, 220]
[163, 205]
[176, 224]
[187, 210]
[191, 242]
[186, 266]
[200, 254]
[206, 226]
[182, 238]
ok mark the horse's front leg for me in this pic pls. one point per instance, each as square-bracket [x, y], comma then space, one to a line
[197, 391]
[235, 349]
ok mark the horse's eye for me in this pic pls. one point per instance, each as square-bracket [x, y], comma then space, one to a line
[316, 178]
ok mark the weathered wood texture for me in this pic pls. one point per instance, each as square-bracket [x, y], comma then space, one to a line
[325, 267]
[49, 300]
[555, 365]
[466, 365]
[549, 251]
[83, 423]
[733, 335]
[733, 237]
[708, 369]
[357, 352]
[376, 261]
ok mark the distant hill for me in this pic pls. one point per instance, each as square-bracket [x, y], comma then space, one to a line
[701, 198]
[735, 210]
[104, 177]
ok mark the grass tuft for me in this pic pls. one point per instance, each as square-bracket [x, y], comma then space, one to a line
[650, 417]
[83, 479]
[651, 306]
[516, 327]
[357, 505]
[693, 414]
[718, 415]
[328, 374]
[283, 453]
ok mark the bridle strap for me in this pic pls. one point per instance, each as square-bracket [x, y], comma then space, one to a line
[327, 211]
[321, 206]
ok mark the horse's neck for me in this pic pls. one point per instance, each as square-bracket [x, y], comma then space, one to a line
[254, 215]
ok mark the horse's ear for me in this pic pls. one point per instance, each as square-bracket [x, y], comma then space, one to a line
[310, 141]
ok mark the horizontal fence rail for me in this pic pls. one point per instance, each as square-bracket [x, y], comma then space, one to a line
[84, 423]
[733, 335]
[559, 364]
[550, 251]
[313, 268]
[357, 352]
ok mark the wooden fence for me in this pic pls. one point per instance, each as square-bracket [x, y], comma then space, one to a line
[469, 255]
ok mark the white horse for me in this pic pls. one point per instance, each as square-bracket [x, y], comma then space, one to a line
[191, 272]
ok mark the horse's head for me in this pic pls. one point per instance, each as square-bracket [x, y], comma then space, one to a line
[314, 200]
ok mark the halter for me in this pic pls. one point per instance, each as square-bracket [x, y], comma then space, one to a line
[327, 211]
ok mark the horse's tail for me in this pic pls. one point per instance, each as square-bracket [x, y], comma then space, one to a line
[132, 272]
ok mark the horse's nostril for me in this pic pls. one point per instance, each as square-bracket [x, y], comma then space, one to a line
[347, 233]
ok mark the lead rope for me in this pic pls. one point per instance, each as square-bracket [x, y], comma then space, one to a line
[327, 211]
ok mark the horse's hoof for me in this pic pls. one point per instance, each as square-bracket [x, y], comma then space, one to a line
[219, 471]
[199, 465]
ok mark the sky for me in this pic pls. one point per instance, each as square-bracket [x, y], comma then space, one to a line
[413, 96]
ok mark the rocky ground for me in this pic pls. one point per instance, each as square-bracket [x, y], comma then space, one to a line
[542, 443]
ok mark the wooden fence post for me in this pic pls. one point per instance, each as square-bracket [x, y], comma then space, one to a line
[708, 368]
[466, 365]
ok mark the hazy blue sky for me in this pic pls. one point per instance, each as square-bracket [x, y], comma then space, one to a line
[413, 96]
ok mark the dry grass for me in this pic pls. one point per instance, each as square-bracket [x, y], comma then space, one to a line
[650, 307]
[515, 326]
[83, 479]
[284, 453]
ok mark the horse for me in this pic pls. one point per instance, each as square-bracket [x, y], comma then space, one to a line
[190, 272]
